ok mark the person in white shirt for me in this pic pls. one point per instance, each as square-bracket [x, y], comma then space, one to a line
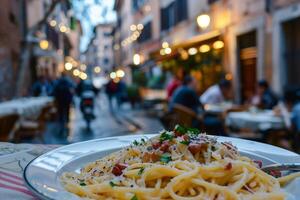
[217, 94]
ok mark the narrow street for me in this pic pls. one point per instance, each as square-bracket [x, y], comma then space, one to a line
[122, 122]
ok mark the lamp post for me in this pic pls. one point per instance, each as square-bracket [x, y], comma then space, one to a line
[136, 59]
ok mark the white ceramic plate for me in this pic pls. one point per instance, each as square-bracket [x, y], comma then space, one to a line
[42, 175]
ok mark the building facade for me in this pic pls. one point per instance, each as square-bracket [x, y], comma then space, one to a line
[10, 43]
[99, 52]
[244, 41]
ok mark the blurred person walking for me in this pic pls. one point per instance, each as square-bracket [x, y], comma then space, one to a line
[63, 93]
[111, 89]
[121, 94]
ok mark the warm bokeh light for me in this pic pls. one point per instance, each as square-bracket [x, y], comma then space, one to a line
[204, 48]
[44, 44]
[53, 23]
[165, 45]
[228, 76]
[203, 21]
[116, 47]
[83, 76]
[68, 66]
[63, 29]
[76, 72]
[162, 52]
[120, 73]
[133, 27]
[83, 67]
[192, 51]
[168, 50]
[218, 44]
[113, 75]
[97, 69]
[136, 59]
[140, 27]
[184, 55]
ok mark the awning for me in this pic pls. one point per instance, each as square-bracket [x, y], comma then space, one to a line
[192, 42]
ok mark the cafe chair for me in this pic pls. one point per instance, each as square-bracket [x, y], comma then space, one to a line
[33, 128]
[186, 116]
[7, 126]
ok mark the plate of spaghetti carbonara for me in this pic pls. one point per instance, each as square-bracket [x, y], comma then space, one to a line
[182, 164]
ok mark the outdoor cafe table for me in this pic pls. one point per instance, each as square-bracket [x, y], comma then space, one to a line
[25, 107]
[255, 121]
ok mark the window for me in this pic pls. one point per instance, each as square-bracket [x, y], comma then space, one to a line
[106, 61]
[146, 33]
[107, 34]
[173, 14]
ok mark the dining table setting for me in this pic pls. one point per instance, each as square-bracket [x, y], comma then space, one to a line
[32, 171]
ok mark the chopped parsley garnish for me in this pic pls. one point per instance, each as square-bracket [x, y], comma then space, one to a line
[166, 136]
[185, 142]
[180, 129]
[184, 130]
[136, 143]
[141, 171]
[165, 158]
[193, 131]
[112, 184]
[143, 141]
[82, 184]
[134, 197]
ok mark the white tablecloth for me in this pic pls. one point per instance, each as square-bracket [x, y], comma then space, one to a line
[255, 121]
[26, 107]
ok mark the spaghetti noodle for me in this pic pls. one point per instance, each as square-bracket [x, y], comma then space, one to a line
[181, 164]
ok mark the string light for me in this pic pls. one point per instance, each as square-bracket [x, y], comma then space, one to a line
[63, 28]
[76, 72]
[133, 27]
[204, 48]
[68, 66]
[83, 67]
[168, 50]
[192, 51]
[218, 44]
[97, 69]
[165, 45]
[53, 23]
[140, 27]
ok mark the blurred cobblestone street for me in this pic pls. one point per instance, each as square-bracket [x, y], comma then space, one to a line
[124, 121]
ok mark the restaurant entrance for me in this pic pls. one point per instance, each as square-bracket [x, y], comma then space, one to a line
[247, 60]
[291, 51]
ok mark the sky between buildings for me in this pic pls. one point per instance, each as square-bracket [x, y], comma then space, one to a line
[91, 13]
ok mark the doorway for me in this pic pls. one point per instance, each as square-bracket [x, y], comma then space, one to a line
[291, 51]
[247, 60]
